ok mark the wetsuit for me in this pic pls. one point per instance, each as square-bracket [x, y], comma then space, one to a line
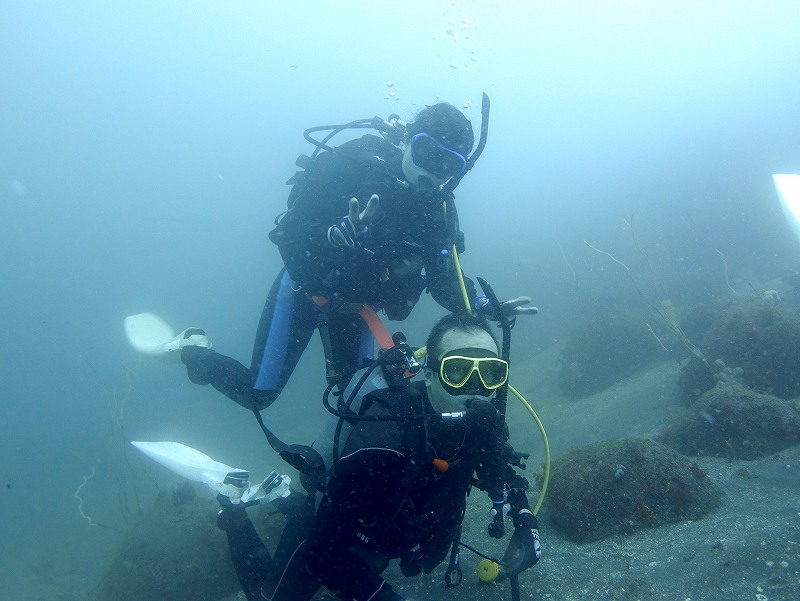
[407, 249]
[385, 500]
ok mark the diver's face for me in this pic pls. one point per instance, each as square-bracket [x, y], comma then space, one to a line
[416, 175]
[467, 343]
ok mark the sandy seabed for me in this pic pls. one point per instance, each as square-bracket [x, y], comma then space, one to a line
[748, 549]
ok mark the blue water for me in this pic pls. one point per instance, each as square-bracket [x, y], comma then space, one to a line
[145, 149]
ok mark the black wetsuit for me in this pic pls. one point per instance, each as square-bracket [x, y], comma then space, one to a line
[384, 499]
[407, 249]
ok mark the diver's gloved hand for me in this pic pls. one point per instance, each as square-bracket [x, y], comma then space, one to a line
[351, 229]
[189, 337]
[524, 548]
[514, 457]
[483, 307]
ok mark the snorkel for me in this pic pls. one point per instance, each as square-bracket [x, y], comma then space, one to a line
[497, 527]
[491, 569]
[454, 181]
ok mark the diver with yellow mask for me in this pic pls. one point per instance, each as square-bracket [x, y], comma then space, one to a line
[398, 486]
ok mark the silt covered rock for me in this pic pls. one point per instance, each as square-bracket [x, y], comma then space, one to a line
[732, 421]
[759, 338]
[176, 552]
[603, 349]
[620, 486]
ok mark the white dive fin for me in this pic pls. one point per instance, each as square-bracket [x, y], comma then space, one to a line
[232, 482]
[788, 187]
[148, 333]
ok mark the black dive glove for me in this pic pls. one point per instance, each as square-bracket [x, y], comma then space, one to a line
[524, 548]
[351, 229]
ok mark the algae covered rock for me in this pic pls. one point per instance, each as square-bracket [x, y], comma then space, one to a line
[620, 486]
[759, 338]
[733, 421]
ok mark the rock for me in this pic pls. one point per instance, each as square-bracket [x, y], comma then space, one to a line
[761, 340]
[620, 486]
[732, 421]
[176, 552]
[604, 349]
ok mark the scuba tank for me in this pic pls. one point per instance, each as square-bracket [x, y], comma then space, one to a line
[395, 368]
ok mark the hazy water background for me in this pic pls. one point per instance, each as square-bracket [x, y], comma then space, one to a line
[144, 151]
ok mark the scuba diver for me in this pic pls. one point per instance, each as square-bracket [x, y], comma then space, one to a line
[370, 225]
[398, 482]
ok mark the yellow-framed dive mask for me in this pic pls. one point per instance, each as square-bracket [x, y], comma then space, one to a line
[455, 370]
